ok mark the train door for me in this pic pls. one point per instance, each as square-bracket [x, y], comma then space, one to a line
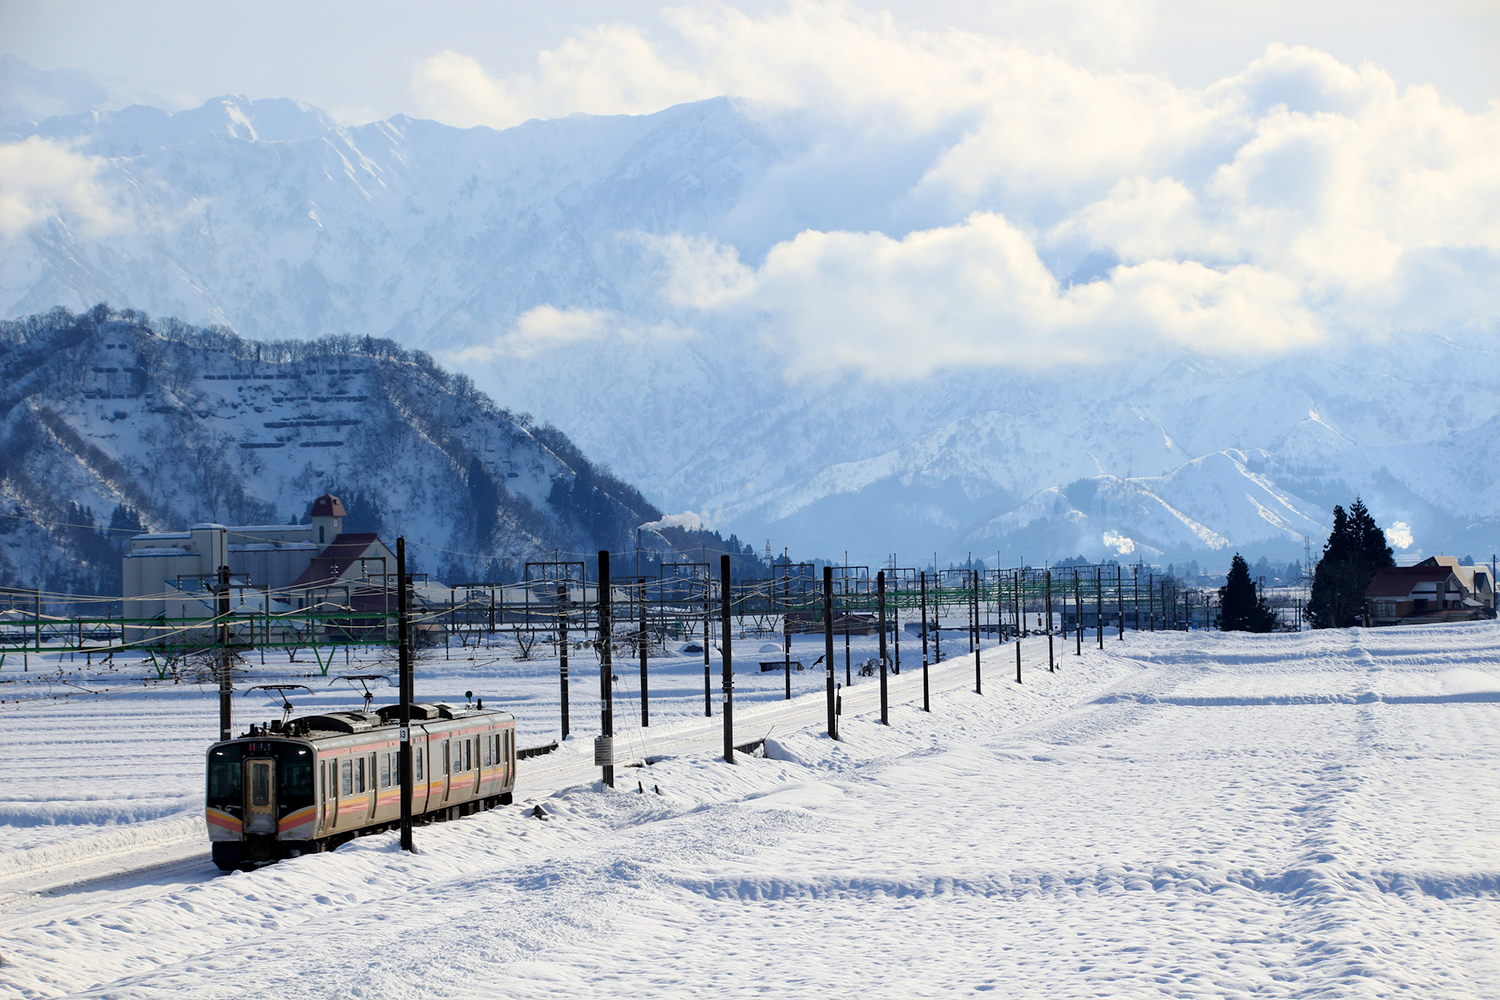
[374, 769]
[471, 768]
[510, 757]
[260, 795]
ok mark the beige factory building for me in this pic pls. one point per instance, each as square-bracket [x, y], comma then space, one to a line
[275, 567]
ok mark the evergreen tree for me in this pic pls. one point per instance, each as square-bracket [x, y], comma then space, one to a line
[1355, 550]
[1241, 609]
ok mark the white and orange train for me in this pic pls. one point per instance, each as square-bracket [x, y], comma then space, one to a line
[312, 783]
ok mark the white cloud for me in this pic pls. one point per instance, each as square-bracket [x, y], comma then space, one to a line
[1297, 200]
[1399, 534]
[42, 178]
[546, 328]
[536, 330]
[977, 293]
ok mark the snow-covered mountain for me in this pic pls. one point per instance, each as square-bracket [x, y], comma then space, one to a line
[106, 421]
[29, 95]
[539, 260]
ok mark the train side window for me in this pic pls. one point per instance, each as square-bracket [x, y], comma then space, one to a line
[458, 756]
[346, 777]
[488, 758]
[445, 757]
[468, 755]
[359, 775]
[385, 770]
[419, 764]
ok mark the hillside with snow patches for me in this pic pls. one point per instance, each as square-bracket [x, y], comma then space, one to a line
[103, 414]
[537, 260]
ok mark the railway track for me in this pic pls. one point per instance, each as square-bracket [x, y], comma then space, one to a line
[87, 878]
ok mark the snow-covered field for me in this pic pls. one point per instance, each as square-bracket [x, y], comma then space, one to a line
[1181, 815]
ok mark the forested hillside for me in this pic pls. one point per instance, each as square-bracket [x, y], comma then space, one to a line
[112, 423]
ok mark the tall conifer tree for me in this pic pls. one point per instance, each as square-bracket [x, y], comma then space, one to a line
[1241, 609]
[1355, 550]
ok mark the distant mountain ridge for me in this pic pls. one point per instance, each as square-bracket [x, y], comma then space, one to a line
[268, 217]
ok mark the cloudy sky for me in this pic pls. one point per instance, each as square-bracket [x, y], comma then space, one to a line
[374, 58]
[1231, 178]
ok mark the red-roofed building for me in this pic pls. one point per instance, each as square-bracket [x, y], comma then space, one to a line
[1413, 595]
[273, 568]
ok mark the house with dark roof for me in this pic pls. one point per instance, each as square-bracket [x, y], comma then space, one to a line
[1423, 594]
[1479, 581]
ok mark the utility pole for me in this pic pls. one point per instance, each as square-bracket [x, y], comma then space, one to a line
[404, 689]
[1120, 599]
[880, 599]
[708, 697]
[1051, 662]
[974, 630]
[562, 629]
[1099, 605]
[926, 702]
[226, 688]
[645, 698]
[833, 722]
[1078, 614]
[604, 748]
[1020, 630]
[726, 657]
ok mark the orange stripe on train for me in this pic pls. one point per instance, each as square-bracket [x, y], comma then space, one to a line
[221, 819]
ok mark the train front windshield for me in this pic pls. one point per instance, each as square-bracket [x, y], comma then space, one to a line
[294, 775]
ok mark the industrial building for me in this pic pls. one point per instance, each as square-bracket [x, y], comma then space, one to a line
[273, 569]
